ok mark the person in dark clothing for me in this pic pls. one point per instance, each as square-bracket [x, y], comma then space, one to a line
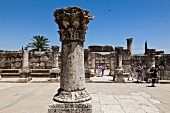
[103, 69]
[153, 72]
[139, 70]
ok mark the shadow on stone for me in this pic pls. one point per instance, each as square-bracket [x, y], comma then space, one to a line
[150, 86]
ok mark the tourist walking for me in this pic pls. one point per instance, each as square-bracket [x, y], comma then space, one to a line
[139, 70]
[131, 71]
[153, 72]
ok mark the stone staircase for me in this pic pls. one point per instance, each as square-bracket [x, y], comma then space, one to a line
[40, 73]
[10, 73]
[15, 73]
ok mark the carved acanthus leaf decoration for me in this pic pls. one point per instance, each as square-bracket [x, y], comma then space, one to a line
[71, 22]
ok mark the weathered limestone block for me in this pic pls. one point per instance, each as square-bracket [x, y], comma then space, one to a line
[55, 69]
[167, 68]
[34, 60]
[42, 64]
[17, 65]
[7, 64]
[18, 59]
[25, 71]
[112, 66]
[119, 70]
[92, 62]
[167, 75]
[119, 75]
[55, 72]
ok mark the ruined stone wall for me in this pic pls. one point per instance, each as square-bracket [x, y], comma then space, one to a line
[164, 66]
[40, 60]
[103, 59]
[10, 59]
[101, 48]
[162, 63]
[43, 60]
[37, 60]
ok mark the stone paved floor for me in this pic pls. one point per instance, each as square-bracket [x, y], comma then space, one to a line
[106, 97]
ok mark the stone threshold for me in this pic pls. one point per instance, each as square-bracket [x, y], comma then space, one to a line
[160, 82]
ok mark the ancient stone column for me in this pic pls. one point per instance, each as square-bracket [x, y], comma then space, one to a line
[150, 62]
[86, 52]
[0, 74]
[86, 64]
[93, 64]
[119, 51]
[153, 57]
[129, 44]
[89, 60]
[72, 96]
[150, 57]
[119, 70]
[25, 70]
[54, 72]
[112, 66]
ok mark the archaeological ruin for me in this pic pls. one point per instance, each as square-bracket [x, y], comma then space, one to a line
[25, 64]
[42, 63]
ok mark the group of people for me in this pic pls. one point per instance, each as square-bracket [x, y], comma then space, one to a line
[100, 71]
[139, 69]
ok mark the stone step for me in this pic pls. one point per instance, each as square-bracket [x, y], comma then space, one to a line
[40, 73]
[40, 70]
[37, 75]
[10, 70]
[10, 74]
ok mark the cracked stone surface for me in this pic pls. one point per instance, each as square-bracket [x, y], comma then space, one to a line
[139, 102]
[106, 97]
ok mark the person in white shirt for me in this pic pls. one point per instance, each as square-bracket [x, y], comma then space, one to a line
[99, 70]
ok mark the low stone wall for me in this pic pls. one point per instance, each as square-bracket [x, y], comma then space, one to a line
[10, 59]
[37, 60]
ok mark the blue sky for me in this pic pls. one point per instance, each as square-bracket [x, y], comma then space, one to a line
[114, 22]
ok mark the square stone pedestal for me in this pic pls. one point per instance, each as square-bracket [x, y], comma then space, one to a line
[119, 75]
[22, 80]
[82, 107]
[120, 79]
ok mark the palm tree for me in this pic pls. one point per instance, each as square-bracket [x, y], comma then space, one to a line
[39, 43]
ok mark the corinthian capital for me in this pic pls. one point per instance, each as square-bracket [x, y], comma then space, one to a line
[72, 23]
[119, 49]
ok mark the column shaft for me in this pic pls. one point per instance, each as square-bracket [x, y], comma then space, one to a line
[72, 74]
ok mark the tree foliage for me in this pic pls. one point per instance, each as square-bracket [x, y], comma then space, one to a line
[39, 43]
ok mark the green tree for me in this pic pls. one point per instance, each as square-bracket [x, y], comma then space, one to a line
[39, 43]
